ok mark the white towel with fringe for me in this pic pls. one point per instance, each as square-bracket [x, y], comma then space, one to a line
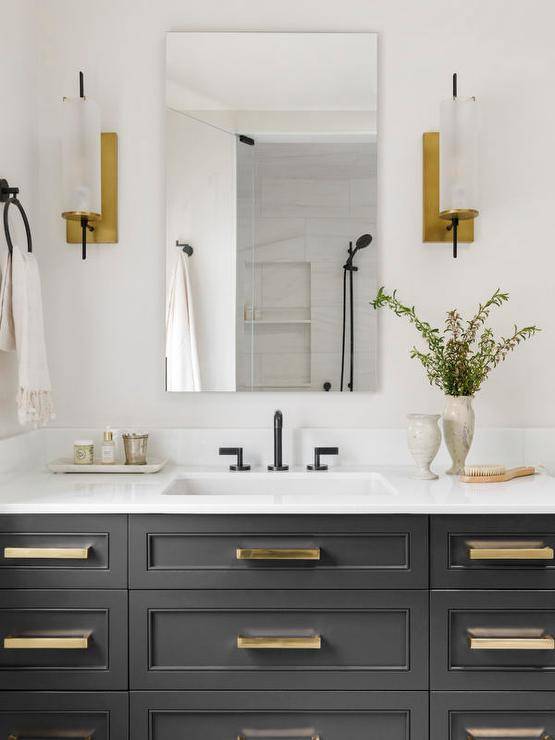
[7, 330]
[34, 396]
[182, 362]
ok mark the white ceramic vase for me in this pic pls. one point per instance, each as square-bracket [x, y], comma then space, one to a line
[424, 438]
[458, 430]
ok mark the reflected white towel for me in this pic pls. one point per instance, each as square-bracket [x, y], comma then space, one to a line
[183, 372]
[7, 330]
[34, 397]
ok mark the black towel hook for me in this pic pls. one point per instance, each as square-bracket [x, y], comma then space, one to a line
[8, 196]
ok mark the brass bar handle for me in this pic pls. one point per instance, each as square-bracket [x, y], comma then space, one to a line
[524, 733]
[55, 735]
[311, 642]
[277, 553]
[46, 553]
[546, 642]
[36, 642]
[275, 734]
[511, 553]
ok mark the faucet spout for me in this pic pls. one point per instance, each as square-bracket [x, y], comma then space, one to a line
[278, 443]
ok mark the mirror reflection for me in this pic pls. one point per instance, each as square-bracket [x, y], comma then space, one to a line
[271, 248]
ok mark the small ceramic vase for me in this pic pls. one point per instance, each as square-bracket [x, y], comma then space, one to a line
[458, 430]
[424, 438]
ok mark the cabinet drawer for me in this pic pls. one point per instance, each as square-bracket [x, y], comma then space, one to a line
[504, 551]
[63, 551]
[505, 715]
[493, 640]
[63, 640]
[273, 715]
[278, 640]
[67, 716]
[295, 552]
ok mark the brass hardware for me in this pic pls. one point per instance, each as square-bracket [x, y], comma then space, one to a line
[277, 733]
[434, 226]
[312, 642]
[275, 553]
[46, 553]
[545, 642]
[510, 553]
[36, 642]
[530, 733]
[105, 229]
[55, 735]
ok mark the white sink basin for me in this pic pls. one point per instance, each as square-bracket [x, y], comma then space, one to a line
[290, 484]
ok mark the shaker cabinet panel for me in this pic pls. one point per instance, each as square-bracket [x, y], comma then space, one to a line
[63, 551]
[489, 715]
[278, 551]
[295, 715]
[487, 640]
[278, 640]
[493, 552]
[63, 716]
[56, 640]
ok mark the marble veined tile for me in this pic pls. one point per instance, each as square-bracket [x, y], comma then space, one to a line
[300, 197]
[348, 228]
[286, 284]
[268, 230]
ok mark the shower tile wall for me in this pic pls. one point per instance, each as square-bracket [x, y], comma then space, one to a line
[309, 201]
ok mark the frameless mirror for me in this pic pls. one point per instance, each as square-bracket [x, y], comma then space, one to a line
[271, 160]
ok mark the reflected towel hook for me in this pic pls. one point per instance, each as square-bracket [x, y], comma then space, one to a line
[8, 195]
[187, 248]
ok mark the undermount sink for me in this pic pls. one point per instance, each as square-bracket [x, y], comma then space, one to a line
[282, 484]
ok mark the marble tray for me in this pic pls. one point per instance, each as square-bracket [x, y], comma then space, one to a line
[66, 465]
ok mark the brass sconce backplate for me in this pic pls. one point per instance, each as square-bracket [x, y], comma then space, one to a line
[105, 230]
[434, 227]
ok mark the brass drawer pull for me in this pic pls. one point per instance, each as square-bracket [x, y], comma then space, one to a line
[55, 735]
[276, 733]
[524, 733]
[276, 553]
[46, 642]
[46, 553]
[294, 732]
[546, 642]
[509, 550]
[313, 642]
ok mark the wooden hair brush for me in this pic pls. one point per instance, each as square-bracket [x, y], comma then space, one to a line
[493, 473]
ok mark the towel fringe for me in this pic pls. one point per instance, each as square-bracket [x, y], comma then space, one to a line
[34, 407]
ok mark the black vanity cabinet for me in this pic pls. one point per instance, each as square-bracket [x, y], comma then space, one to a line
[321, 627]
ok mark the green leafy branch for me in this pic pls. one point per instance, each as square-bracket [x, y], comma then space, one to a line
[459, 358]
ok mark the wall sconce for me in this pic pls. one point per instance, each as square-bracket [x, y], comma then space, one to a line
[89, 165]
[450, 159]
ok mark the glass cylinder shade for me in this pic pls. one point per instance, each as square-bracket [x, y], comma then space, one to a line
[458, 158]
[81, 147]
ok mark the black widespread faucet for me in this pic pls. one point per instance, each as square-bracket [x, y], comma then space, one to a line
[278, 443]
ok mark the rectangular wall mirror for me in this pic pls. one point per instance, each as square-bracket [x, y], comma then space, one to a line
[271, 248]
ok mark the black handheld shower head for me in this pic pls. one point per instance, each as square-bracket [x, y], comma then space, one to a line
[363, 241]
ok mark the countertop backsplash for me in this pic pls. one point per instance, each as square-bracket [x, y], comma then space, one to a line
[199, 447]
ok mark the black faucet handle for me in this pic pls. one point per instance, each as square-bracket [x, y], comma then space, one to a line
[238, 451]
[322, 451]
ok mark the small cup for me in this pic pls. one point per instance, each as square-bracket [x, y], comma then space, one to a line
[135, 446]
[83, 452]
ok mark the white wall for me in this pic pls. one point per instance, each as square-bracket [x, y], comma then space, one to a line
[105, 317]
[200, 188]
[17, 155]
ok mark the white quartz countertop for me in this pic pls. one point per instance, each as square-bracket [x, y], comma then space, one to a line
[48, 493]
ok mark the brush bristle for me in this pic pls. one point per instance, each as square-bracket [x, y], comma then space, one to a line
[475, 471]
